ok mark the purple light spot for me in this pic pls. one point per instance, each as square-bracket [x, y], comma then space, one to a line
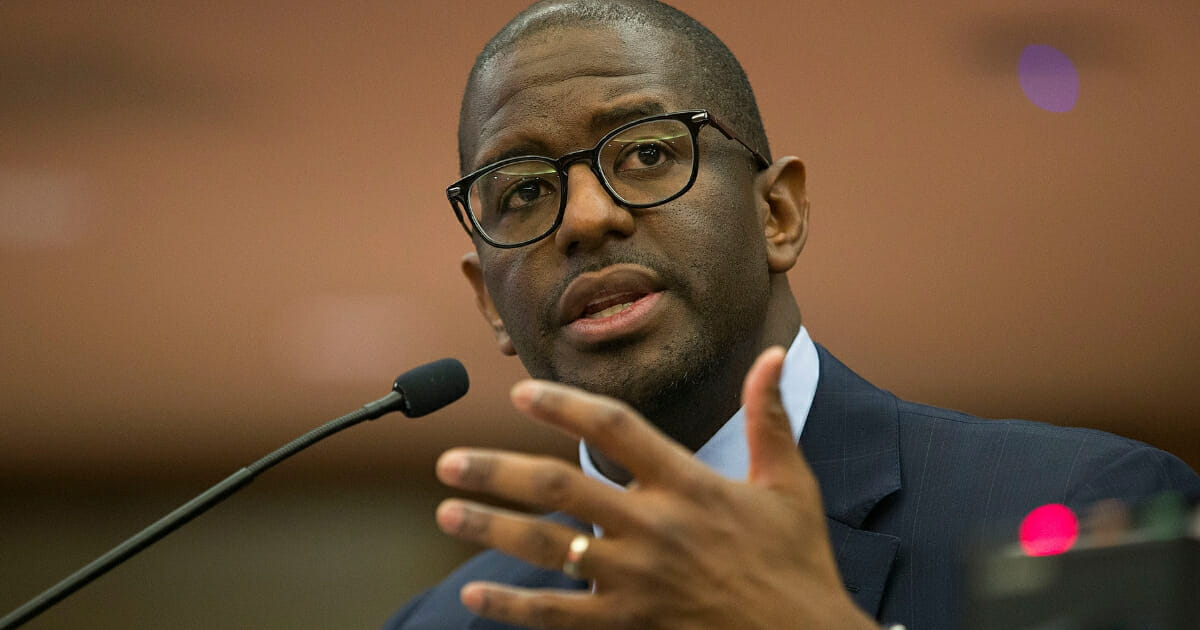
[1048, 78]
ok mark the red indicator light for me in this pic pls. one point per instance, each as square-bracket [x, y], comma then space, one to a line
[1048, 530]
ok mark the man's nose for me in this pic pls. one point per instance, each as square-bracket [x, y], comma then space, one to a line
[592, 216]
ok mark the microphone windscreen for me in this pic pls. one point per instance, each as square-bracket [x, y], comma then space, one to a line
[431, 386]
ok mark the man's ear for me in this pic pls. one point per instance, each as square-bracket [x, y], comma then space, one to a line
[474, 273]
[781, 188]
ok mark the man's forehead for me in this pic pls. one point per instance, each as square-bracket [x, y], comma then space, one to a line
[590, 79]
[557, 132]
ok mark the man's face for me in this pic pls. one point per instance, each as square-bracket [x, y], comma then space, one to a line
[635, 304]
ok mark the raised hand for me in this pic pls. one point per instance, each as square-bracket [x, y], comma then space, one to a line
[682, 548]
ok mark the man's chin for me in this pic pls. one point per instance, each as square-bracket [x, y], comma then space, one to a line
[652, 383]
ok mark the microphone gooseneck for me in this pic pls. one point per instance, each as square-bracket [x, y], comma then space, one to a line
[417, 392]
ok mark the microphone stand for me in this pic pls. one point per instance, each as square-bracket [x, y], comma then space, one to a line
[190, 510]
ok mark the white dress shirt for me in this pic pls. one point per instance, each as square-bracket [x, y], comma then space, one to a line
[726, 451]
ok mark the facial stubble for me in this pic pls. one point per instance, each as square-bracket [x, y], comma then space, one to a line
[665, 381]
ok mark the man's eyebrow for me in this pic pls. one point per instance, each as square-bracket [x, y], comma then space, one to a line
[601, 121]
[517, 150]
[610, 118]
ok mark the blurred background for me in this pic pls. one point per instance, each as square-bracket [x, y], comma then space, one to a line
[223, 223]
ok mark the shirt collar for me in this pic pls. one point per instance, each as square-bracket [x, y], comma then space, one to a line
[726, 451]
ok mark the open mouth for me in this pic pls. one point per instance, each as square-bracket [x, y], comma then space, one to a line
[605, 293]
[603, 307]
[615, 302]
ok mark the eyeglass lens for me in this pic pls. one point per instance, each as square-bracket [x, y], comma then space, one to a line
[642, 165]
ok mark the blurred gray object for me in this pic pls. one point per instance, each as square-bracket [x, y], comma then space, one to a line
[1140, 585]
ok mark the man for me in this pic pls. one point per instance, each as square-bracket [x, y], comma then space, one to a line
[632, 236]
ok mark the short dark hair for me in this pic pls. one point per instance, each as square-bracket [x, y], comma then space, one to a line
[718, 78]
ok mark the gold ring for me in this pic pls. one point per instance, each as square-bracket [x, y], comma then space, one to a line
[579, 546]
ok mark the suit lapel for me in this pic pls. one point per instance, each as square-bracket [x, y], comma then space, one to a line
[851, 441]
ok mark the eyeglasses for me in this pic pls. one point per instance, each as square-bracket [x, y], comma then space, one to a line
[645, 163]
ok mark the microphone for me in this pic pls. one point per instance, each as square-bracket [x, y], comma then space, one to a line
[415, 393]
[430, 387]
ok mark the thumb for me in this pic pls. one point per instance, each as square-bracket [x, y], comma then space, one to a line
[773, 451]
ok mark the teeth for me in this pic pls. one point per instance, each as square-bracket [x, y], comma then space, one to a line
[608, 312]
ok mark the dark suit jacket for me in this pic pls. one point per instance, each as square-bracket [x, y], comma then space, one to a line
[905, 487]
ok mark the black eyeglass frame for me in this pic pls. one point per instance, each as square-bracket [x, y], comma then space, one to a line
[695, 120]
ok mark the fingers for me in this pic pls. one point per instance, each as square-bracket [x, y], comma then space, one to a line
[541, 482]
[607, 424]
[771, 445]
[534, 540]
[540, 608]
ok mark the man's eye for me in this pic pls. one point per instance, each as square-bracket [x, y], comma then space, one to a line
[643, 155]
[524, 194]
